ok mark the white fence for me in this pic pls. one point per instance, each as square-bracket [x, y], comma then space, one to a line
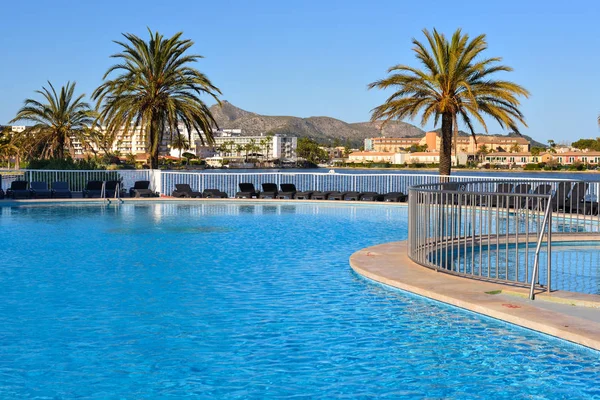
[165, 181]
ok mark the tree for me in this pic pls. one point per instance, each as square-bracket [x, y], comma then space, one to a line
[310, 151]
[189, 156]
[269, 140]
[247, 149]
[58, 120]
[416, 148]
[515, 148]
[552, 145]
[238, 149]
[536, 151]
[130, 158]
[8, 147]
[347, 148]
[587, 144]
[263, 147]
[156, 89]
[180, 142]
[454, 83]
[482, 152]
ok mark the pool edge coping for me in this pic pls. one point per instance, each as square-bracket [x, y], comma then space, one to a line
[389, 264]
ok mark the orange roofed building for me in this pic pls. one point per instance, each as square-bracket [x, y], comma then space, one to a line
[432, 143]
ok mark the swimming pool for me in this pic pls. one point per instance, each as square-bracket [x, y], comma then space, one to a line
[225, 300]
[575, 264]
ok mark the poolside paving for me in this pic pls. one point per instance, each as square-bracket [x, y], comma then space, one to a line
[571, 316]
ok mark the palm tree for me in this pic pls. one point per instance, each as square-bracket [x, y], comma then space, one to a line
[238, 149]
[180, 142]
[156, 89]
[453, 83]
[58, 121]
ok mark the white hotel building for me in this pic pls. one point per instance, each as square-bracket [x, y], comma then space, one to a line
[134, 142]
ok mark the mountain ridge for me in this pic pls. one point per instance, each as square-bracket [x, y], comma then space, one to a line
[323, 129]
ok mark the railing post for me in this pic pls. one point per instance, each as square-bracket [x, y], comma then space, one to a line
[549, 250]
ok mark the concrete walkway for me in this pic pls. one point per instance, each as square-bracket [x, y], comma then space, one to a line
[570, 316]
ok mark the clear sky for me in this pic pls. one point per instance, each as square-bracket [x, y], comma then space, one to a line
[314, 58]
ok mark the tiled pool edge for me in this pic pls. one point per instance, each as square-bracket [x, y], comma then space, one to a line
[389, 264]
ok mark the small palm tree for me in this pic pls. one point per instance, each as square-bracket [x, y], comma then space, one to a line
[238, 149]
[157, 89]
[453, 83]
[180, 142]
[58, 121]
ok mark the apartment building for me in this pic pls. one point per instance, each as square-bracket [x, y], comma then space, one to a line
[519, 159]
[275, 147]
[432, 142]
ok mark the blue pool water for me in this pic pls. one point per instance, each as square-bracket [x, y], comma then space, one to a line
[575, 264]
[244, 301]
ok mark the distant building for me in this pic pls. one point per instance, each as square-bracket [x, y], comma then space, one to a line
[371, 156]
[433, 143]
[280, 147]
[400, 158]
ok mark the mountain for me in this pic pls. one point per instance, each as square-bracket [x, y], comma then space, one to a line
[322, 129]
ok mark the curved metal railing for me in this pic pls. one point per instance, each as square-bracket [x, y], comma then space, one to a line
[495, 230]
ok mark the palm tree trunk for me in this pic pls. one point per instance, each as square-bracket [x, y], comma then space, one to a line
[446, 150]
[154, 145]
[455, 128]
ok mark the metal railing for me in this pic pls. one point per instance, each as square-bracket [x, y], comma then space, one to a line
[78, 179]
[494, 230]
[164, 181]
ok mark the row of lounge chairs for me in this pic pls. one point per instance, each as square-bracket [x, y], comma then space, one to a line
[286, 191]
[568, 197]
[36, 190]
[40, 190]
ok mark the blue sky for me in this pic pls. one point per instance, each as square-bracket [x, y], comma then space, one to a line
[313, 58]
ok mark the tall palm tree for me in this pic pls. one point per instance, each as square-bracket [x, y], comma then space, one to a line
[455, 82]
[58, 120]
[156, 88]
[180, 142]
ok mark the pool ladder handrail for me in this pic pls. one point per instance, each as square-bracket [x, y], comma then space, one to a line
[117, 193]
[546, 223]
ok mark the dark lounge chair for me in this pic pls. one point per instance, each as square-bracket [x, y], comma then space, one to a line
[559, 200]
[353, 196]
[93, 189]
[247, 191]
[537, 203]
[184, 190]
[1, 190]
[269, 191]
[320, 195]
[395, 197]
[519, 201]
[576, 202]
[18, 190]
[141, 189]
[288, 191]
[39, 190]
[214, 194]
[111, 188]
[337, 195]
[60, 190]
[306, 195]
[371, 196]
[501, 199]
